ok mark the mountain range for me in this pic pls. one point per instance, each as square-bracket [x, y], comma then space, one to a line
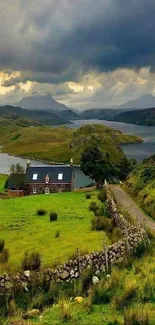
[46, 110]
[47, 102]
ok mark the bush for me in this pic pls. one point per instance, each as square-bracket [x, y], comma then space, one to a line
[53, 216]
[93, 206]
[41, 212]
[102, 223]
[102, 196]
[2, 244]
[129, 293]
[31, 261]
[88, 196]
[57, 234]
[136, 316]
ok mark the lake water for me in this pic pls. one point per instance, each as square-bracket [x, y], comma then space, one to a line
[138, 151]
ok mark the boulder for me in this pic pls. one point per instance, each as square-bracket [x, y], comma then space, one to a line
[31, 314]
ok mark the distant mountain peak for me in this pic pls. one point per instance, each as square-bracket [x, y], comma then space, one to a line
[41, 102]
[145, 101]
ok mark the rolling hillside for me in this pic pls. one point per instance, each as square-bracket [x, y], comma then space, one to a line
[139, 117]
[36, 116]
[61, 144]
[141, 185]
[100, 114]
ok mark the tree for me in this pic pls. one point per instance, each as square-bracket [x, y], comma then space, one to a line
[17, 172]
[126, 166]
[16, 169]
[97, 165]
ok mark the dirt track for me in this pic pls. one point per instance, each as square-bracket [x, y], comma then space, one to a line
[127, 203]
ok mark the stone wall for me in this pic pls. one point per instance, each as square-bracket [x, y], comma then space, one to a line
[53, 188]
[101, 261]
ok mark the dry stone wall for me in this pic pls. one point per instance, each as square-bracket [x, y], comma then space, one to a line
[101, 261]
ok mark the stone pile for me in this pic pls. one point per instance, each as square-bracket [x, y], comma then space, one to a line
[96, 261]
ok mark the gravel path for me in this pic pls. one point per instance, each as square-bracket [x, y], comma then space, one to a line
[129, 205]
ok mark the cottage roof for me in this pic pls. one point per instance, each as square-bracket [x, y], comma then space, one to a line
[51, 173]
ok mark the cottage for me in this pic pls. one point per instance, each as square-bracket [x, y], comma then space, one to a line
[41, 179]
[45, 179]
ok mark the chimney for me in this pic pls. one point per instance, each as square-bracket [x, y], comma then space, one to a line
[28, 163]
[71, 162]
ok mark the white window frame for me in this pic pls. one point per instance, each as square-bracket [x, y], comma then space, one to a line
[60, 177]
[47, 190]
[34, 190]
[35, 177]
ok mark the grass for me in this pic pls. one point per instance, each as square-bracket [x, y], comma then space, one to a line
[61, 143]
[80, 314]
[3, 179]
[141, 186]
[23, 230]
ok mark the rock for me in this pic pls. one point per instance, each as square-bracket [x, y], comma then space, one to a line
[27, 273]
[65, 275]
[31, 314]
[8, 285]
[78, 299]
[95, 279]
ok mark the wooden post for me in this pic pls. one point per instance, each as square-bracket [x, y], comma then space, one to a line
[106, 258]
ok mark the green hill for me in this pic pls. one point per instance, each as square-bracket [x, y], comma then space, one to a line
[139, 117]
[42, 117]
[61, 144]
[141, 185]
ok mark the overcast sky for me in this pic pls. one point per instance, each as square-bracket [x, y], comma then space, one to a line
[85, 53]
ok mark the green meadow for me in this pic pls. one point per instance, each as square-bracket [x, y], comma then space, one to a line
[23, 230]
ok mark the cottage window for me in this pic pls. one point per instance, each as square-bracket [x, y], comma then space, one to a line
[60, 177]
[34, 190]
[35, 176]
[47, 190]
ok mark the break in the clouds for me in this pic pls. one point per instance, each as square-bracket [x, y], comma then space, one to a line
[77, 45]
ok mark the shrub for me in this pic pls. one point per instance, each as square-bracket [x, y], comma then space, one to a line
[88, 196]
[4, 256]
[65, 313]
[41, 212]
[129, 293]
[53, 216]
[93, 206]
[102, 223]
[57, 234]
[102, 196]
[2, 244]
[136, 316]
[31, 261]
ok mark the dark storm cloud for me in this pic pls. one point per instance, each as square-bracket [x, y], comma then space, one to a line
[57, 41]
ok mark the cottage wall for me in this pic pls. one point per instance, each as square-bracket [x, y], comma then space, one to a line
[40, 188]
[15, 193]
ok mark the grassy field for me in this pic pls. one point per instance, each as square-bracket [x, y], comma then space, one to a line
[23, 230]
[60, 144]
[3, 179]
